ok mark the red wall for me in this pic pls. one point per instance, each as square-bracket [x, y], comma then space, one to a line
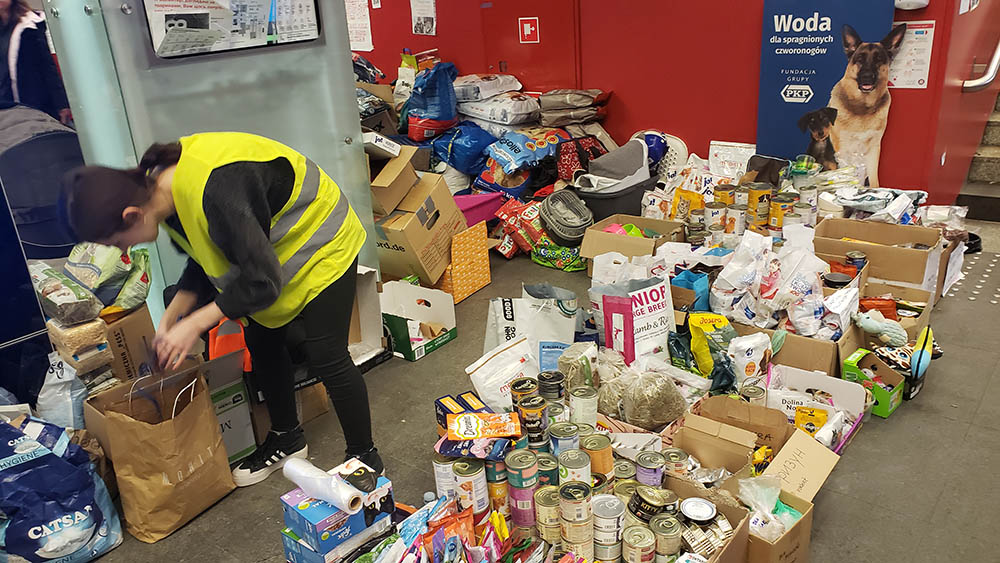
[459, 35]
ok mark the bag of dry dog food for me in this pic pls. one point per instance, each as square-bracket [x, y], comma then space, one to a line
[62, 298]
[565, 98]
[507, 108]
[474, 87]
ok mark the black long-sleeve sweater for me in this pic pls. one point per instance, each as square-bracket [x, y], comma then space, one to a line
[239, 201]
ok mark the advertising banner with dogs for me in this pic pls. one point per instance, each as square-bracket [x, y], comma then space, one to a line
[824, 80]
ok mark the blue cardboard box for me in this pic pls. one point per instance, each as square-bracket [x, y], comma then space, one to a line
[298, 551]
[323, 526]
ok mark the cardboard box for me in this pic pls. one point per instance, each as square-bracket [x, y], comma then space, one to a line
[310, 403]
[847, 395]
[946, 268]
[912, 325]
[771, 426]
[323, 526]
[469, 270]
[886, 402]
[365, 337]
[232, 404]
[391, 179]
[803, 465]
[420, 320]
[793, 545]
[596, 241]
[128, 338]
[910, 266]
[859, 281]
[716, 444]
[382, 122]
[298, 551]
[734, 550]
[416, 237]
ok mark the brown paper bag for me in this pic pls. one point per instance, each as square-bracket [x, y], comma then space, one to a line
[169, 458]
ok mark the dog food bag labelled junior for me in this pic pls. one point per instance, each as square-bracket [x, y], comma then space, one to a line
[635, 316]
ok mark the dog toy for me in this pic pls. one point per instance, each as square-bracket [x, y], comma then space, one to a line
[889, 332]
[923, 352]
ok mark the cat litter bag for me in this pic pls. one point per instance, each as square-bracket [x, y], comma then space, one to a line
[56, 507]
[433, 94]
[509, 108]
[475, 87]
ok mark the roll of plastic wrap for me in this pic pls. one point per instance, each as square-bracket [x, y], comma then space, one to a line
[321, 485]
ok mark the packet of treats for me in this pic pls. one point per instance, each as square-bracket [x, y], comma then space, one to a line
[473, 425]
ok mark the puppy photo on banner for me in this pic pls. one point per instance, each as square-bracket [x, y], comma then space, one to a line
[824, 81]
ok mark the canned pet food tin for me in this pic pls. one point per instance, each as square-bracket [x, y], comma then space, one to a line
[574, 501]
[470, 484]
[444, 476]
[676, 461]
[624, 469]
[611, 552]
[716, 232]
[793, 218]
[564, 436]
[758, 204]
[540, 445]
[585, 429]
[547, 506]
[775, 233]
[557, 413]
[577, 532]
[632, 520]
[599, 483]
[522, 468]
[498, 497]
[667, 531]
[583, 405]
[522, 506]
[534, 415]
[551, 535]
[598, 447]
[609, 517]
[646, 502]
[522, 388]
[649, 468]
[520, 443]
[666, 558]
[715, 214]
[671, 502]
[741, 196]
[805, 210]
[550, 384]
[548, 469]
[698, 510]
[638, 545]
[810, 196]
[857, 259]
[755, 394]
[574, 465]
[583, 550]
[736, 219]
[725, 193]
[625, 489]
[780, 205]
[697, 216]
[495, 471]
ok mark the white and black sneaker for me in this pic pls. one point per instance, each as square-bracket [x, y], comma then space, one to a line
[271, 456]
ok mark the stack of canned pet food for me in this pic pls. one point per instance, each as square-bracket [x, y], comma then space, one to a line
[560, 482]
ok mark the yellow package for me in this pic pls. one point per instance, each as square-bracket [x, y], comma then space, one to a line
[810, 420]
[710, 335]
[684, 202]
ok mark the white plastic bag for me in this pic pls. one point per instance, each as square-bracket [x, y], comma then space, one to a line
[735, 290]
[60, 401]
[546, 315]
[492, 374]
[761, 495]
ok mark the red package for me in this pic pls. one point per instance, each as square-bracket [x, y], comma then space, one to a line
[507, 246]
[838, 268]
[422, 129]
[885, 306]
[512, 208]
[531, 221]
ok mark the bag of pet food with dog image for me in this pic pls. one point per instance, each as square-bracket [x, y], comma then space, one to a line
[56, 508]
[508, 108]
[638, 319]
[475, 87]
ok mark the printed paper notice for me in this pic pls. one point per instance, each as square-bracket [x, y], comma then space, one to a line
[912, 65]
[423, 15]
[359, 25]
[296, 21]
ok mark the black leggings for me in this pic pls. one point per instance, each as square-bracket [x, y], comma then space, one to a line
[326, 321]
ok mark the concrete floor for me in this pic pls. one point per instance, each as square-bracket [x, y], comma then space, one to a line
[913, 488]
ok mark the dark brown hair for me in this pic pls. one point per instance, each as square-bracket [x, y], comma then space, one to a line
[93, 197]
[17, 10]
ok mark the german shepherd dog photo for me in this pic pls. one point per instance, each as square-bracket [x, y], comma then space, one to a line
[862, 98]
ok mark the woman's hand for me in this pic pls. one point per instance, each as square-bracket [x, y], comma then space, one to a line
[182, 304]
[65, 116]
[173, 344]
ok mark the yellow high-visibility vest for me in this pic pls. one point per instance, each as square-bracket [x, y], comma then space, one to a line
[316, 235]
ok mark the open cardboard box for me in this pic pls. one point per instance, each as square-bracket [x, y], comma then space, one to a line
[847, 395]
[859, 280]
[912, 325]
[596, 241]
[716, 444]
[128, 338]
[416, 237]
[771, 426]
[420, 320]
[734, 550]
[886, 401]
[391, 179]
[909, 266]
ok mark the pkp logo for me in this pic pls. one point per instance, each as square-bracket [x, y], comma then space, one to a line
[797, 93]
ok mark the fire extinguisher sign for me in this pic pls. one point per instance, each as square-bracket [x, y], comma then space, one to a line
[527, 30]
